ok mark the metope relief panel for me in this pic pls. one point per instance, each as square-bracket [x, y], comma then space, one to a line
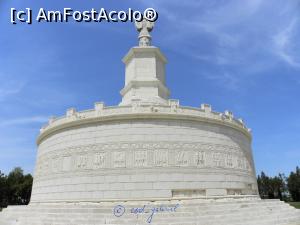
[229, 161]
[200, 158]
[56, 165]
[182, 158]
[161, 157]
[99, 160]
[140, 159]
[67, 163]
[242, 164]
[218, 159]
[82, 162]
[119, 159]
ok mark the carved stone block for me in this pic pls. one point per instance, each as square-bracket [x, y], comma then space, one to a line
[119, 159]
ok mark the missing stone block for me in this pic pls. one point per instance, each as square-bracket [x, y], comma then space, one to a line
[188, 193]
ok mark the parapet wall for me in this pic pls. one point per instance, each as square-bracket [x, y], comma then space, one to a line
[172, 110]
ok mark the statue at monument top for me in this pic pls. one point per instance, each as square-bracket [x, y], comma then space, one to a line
[144, 28]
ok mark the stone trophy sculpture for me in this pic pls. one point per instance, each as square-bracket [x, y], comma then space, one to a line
[144, 28]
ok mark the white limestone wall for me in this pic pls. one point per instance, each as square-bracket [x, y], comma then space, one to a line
[143, 159]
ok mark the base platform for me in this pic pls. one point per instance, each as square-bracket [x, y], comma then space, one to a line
[225, 211]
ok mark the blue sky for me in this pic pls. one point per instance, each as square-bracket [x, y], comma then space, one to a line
[238, 55]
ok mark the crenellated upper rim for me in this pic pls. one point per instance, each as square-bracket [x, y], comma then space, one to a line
[173, 110]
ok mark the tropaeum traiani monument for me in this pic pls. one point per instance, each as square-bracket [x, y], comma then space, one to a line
[147, 160]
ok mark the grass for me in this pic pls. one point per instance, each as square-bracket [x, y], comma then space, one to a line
[295, 204]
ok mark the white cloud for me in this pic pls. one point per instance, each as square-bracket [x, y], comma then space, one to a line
[237, 32]
[24, 121]
[227, 80]
[9, 88]
[283, 42]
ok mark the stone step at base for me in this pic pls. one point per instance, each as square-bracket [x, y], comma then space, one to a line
[92, 209]
[77, 213]
[190, 212]
[169, 220]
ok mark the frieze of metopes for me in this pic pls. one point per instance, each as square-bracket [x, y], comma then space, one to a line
[142, 155]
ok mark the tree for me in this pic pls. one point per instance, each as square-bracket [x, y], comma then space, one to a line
[3, 190]
[26, 187]
[271, 187]
[278, 186]
[293, 183]
[263, 182]
[19, 187]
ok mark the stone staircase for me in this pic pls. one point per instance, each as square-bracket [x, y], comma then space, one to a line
[233, 211]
